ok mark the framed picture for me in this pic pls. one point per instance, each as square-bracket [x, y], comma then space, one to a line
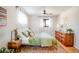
[3, 17]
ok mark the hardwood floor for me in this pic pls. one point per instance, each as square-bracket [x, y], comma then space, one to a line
[33, 49]
[69, 49]
[37, 49]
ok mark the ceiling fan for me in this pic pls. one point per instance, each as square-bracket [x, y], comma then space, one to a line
[45, 13]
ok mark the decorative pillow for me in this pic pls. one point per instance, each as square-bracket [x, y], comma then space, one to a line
[25, 34]
[31, 34]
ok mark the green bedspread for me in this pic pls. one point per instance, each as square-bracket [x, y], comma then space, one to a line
[46, 42]
[42, 42]
[34, 41]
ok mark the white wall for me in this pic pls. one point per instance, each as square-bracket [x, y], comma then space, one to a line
[5, 33]
[71, 17]
[35, 24]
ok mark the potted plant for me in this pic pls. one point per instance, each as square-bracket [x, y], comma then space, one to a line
[69, 30]
[5, 50]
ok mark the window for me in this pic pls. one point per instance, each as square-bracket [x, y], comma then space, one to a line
[45, 22]
[22, 18]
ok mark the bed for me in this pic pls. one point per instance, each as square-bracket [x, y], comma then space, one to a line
[42, 39]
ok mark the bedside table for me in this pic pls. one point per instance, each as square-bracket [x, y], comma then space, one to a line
[14, 44]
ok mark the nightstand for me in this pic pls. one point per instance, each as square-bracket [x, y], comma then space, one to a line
[14, 44]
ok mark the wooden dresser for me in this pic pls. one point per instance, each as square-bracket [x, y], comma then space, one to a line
[65, 38]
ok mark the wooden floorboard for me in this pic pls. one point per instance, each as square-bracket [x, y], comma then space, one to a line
[68, 49]
[38, 49]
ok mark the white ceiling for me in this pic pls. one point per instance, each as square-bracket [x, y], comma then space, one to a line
[38, 10]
